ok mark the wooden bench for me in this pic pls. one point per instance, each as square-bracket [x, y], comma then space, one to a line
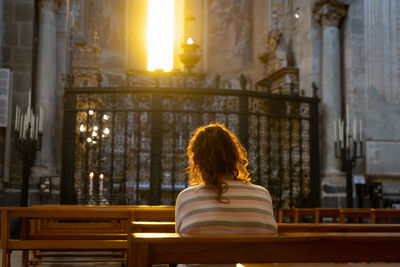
[384, 215]
[169, 227]
[354, 215]
[336, 228]
[151, 248]
[296, 214]
[45, 229]
[331, 213]
[64, 241]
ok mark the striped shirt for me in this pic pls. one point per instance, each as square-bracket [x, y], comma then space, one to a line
[248, 210]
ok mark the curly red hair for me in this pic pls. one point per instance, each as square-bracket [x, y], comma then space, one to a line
[215, 154]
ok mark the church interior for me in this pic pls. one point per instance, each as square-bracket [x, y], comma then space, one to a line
[99, 100]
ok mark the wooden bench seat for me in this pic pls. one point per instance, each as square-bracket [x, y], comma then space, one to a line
[60, 241]
[151, 248]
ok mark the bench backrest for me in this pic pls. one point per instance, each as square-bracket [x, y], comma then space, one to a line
[333, 247]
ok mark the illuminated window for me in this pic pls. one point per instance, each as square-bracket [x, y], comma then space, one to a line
[160, 34]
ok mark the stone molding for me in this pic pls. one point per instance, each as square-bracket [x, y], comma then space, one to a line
[330, 12]
[48, 9]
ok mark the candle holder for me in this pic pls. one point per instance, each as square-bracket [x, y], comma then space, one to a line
[348, 148]
[28, 134]
[91, 133]
[190, 56]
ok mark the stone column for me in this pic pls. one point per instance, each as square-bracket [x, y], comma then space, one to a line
[328, 14]
[46, 85]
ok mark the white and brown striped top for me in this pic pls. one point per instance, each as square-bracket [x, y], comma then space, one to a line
[248, 210]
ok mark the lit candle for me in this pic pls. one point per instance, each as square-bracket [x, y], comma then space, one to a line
[91, 175]
[101, 176]
[334, 130]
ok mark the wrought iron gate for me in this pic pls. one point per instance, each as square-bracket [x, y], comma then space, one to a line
[141, 158]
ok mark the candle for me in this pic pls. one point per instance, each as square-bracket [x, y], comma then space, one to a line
[91, 175]
[101, 176]
[361, 130]
[36, 127]
[16, 119]
[334, 130]
[341, 132]
[41, 113]
[354, 129]
[29, 100]
[21, 125]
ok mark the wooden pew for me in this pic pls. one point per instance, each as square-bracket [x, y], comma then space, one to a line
[332, 213]
[354, 214]
[385, 215]
[51, 229]
[297, 214]
[336, 228]
[150, 248]
[169, 227]
[140, 213]
[98, 242]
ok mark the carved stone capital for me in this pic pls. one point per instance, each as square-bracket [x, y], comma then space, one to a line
[329, 12]
[48, 10]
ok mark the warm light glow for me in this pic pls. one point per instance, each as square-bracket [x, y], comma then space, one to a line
[239, 265]
[106, 131]
[105, 117]
[101, 176]
[160, 34]
[91, 112]
[91, 174]
[89, 139]
[95, 128]
[189, 41]
[82, 128]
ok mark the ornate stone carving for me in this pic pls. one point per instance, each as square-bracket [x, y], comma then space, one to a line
[329, 12]
[48, 9]
[275, 54]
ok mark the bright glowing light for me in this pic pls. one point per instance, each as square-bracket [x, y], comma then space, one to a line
[89, 140]
[239, 265]
[95, 128]
[189, 41]
[160, 34]
[106, 131]
[105, 117]
[91, 112]
[91, 174]
[101, 176]
[82, 128]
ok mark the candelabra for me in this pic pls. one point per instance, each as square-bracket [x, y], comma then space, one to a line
[91, 134]
[348, 148]
[28, 132]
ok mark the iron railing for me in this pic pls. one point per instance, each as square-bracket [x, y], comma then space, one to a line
[143, 160]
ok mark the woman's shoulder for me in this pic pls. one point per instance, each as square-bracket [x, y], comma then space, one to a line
[189, 191]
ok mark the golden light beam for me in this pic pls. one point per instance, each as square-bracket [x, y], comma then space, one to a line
[160, 35]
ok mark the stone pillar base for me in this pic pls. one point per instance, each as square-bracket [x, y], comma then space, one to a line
[333, 189]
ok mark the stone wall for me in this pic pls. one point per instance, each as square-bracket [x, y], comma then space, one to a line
[17, 55]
